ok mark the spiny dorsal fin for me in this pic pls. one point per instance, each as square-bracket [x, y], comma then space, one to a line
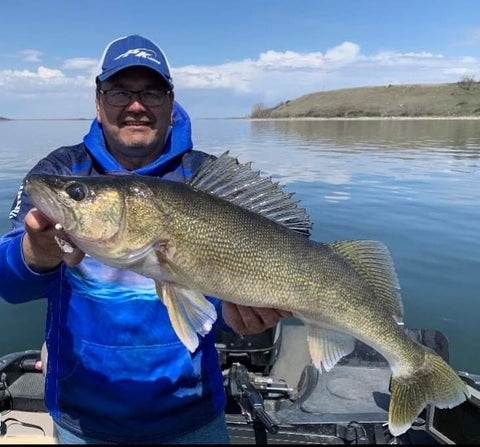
[372, 261]
[226, 178]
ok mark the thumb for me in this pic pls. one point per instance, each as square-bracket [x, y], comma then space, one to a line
[36, 221]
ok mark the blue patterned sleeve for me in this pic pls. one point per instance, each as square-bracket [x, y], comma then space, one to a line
[18, 282]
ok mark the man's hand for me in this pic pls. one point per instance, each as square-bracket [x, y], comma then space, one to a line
[40, 249]
[246, 320]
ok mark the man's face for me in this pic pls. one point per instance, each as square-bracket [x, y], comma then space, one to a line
[135, 133]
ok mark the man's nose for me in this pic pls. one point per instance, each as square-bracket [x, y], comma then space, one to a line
[135, 102]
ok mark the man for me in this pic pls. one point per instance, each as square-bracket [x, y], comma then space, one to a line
[116, 370]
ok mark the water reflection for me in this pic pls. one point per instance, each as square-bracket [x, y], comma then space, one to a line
[24, 142]
[391, 134]
[342, 152]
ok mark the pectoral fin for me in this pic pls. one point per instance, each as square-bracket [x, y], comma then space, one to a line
[327, 347]
[189, 311]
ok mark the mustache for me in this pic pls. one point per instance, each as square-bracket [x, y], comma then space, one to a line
[140, 117]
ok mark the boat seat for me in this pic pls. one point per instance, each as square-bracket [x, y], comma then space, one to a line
[27, 392]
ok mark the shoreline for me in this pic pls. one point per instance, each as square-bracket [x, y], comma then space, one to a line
[368, 118]
[45, 119]
[304, 118]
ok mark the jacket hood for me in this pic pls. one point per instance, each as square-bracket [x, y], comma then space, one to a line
[178, 142]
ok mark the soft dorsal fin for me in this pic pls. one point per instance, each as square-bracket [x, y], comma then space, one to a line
[226, 178]
[373, 262]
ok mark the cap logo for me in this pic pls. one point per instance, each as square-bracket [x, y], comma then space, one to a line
[142, 53]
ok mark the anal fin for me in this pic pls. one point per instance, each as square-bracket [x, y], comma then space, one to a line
[327, 347]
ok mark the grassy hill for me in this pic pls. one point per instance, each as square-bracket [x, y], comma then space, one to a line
[456, 99]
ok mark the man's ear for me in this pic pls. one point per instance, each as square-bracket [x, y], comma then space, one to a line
[97, 108]
[172, 101]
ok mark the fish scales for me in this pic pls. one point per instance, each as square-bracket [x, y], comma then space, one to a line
[225, 246]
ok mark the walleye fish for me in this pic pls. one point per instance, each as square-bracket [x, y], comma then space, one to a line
[232, 234]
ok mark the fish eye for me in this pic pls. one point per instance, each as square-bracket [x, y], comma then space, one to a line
[76, 191]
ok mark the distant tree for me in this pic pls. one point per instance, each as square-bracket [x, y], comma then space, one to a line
[466, 82]
[260, 111]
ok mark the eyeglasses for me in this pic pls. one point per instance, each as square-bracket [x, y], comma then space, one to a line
[120, 98]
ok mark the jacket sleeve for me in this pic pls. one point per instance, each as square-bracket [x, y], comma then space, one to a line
[18, 283]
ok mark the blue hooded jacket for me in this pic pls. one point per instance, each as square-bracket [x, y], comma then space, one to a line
[116, 369]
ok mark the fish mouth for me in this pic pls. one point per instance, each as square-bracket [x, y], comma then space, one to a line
[47, 200]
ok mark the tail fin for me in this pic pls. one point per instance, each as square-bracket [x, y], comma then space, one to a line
[435, 383]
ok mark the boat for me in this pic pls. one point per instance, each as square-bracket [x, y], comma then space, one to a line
[275, 395]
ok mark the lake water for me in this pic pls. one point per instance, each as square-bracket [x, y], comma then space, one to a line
[414, 185]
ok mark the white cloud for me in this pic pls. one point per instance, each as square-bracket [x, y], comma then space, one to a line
[422, 54]
[340, 66]
[346, 52]
[43, 81]
[246, 75]
[290, 59]
[459, 71]
[31, 55]
[341, 54]
[80, 63]
[393, 58]
[48, 73]
[42, 75]
[238, 76]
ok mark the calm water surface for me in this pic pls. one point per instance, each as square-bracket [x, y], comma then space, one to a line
[414, 185]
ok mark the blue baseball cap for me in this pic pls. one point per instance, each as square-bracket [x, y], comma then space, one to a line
[131, 51]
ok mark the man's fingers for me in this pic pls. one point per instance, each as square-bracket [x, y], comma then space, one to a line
[252, 320]
[41, 244]
[36, 221]
[247, 320]
[268, 316]
[233, 317]
[74, 258]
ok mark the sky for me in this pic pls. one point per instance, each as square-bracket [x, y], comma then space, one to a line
[226, 56]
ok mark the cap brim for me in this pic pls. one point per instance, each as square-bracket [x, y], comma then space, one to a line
[109, 73]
